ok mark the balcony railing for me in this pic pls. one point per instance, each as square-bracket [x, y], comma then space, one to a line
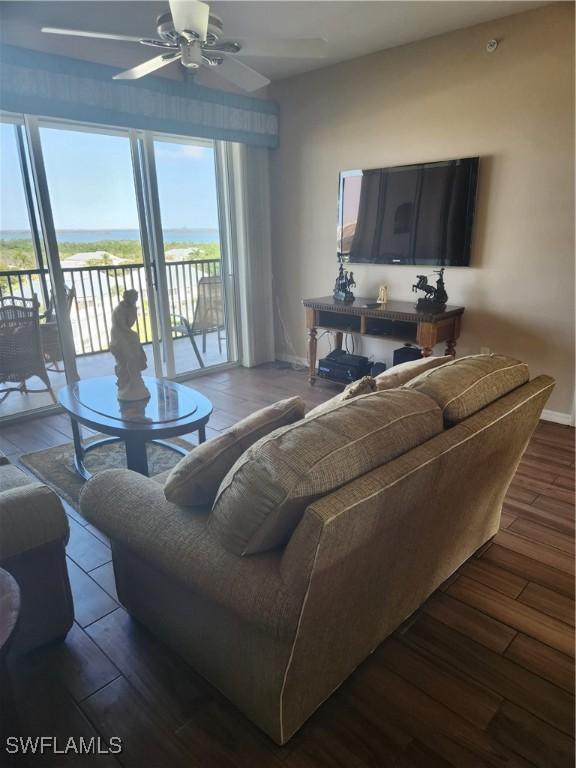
[98, 290]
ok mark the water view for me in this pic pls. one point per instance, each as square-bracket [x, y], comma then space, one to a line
[183, 235]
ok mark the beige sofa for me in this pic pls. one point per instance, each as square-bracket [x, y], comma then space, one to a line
[33, 534]
[278, 631]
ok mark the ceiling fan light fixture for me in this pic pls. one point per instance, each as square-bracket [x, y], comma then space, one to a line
[191, 55]
[190, 18]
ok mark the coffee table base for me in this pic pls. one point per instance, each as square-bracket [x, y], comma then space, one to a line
[136, 458]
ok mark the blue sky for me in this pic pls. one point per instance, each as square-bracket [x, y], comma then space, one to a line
[91, 184]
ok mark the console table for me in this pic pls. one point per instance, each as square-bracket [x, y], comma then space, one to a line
[396, 320]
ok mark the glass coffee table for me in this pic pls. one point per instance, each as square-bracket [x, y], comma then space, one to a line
[171, 410]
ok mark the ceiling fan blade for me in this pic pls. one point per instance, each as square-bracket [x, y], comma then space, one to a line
[190, 16]
[159, 43]
[240, 74]
[285, 48]
[85, 33]
[147, 66]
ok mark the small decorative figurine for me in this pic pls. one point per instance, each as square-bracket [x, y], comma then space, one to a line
[344, 282]
[127, 350]
[434, 299]
[382, 295]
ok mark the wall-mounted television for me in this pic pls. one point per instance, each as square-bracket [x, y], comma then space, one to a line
[409, 214]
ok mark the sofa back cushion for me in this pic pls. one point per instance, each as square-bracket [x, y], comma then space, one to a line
[401, 374]
[195, 480]
[263, 497]
[468, 384]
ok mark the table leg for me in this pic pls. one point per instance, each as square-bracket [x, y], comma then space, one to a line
[201, 434]
[76, 436]
[450, 347]
[339, 339]
[136, 458]
[426, 337]
[312, 345]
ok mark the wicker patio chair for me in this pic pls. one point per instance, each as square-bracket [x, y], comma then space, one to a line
[50, 334]
[21, 353]
[208, 315]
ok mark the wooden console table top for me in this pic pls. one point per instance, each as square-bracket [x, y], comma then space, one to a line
[423, 328]
[392, 310]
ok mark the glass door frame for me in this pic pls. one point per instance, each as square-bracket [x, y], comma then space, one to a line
[43, 233]
[148, 245]
[32, 129]
[134, 138]
[158, 258]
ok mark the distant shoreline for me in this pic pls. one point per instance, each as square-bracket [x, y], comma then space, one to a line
[174, 235]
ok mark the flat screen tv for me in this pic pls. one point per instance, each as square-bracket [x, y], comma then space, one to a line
[410, 214]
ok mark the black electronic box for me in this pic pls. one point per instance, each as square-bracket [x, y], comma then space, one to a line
[340, 366]
[406, 353]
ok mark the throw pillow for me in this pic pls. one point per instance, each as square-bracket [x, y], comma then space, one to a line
[195, 480]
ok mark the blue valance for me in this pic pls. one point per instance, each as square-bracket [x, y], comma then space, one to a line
[36, 83]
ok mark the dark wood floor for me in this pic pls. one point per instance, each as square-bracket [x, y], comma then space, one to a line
[482, 675]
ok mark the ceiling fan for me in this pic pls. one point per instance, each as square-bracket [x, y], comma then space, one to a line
[191, 34]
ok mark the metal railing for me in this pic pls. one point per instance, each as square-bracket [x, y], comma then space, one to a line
[98, 290]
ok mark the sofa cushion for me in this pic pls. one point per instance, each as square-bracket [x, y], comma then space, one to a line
[401, 374]
[12, 477]
[263, 497]
[195, 480]
[363, 386]
[468, 384]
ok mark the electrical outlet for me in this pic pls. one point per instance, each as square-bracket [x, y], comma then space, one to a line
[484, 350]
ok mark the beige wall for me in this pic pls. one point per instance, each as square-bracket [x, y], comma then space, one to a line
[438, 99]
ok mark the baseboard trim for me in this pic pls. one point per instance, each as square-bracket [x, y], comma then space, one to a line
[558, 417]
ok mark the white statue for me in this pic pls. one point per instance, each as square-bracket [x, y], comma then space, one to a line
[127, 350]
[383, 295]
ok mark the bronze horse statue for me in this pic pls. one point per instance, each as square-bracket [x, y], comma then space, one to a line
[434, 299]
[422, 285]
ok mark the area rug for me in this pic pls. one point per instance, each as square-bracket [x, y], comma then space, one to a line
[55, 467]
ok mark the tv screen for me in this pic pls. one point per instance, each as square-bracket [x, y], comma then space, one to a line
[410, 214]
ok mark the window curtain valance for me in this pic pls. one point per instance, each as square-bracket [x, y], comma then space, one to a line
[36, 83]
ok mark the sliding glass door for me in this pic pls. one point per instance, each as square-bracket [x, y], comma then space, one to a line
[24, 283]
[119, 209]
[192, 259]
[93, 200]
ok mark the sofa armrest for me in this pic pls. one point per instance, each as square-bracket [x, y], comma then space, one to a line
[133, 510]
[30, 516]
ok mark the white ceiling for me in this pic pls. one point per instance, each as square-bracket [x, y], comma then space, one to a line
[351, 28]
